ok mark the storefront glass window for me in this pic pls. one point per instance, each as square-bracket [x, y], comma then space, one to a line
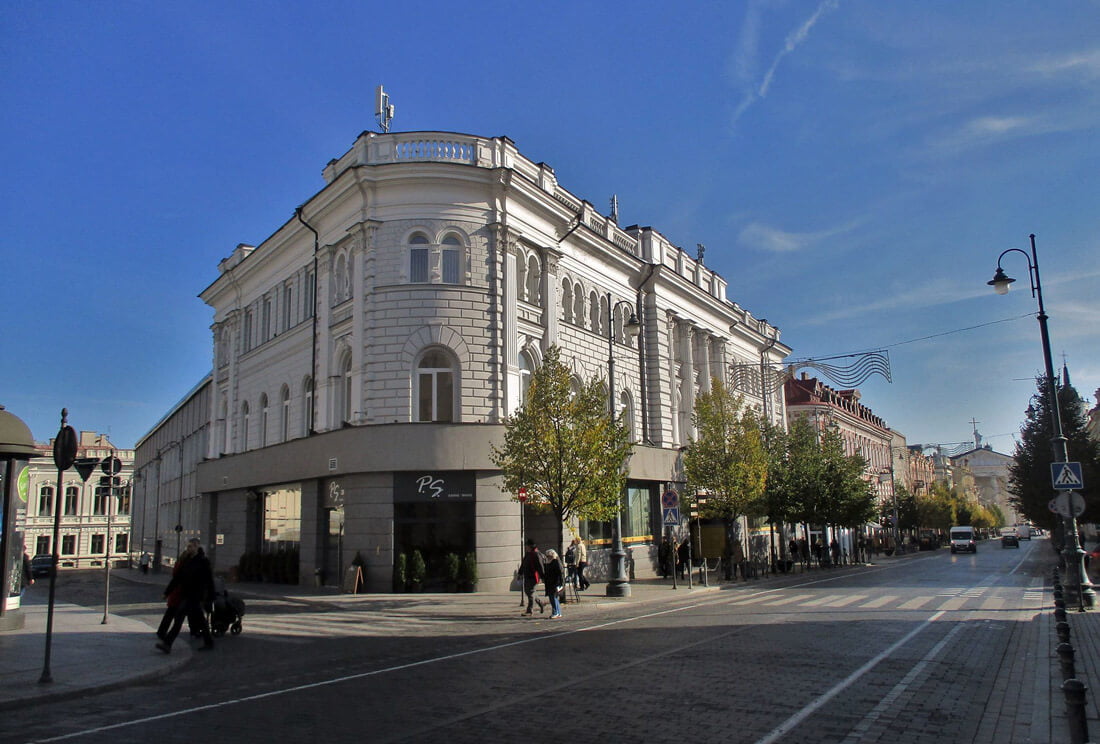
[282, 527]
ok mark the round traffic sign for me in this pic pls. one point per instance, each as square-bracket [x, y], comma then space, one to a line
[522, 495]
[111, 465]
[64, 448]
[670, 499]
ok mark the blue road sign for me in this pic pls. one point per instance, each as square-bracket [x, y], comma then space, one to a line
[671, 517]
[1067, 476]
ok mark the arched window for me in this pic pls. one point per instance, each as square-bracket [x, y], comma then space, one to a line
[244, 426]
[45, 501]
[284, 415]
[435, 387]
[594, 312]
[521, 279]
[223, 425]
[575, 386]
[418, 258]
[578, 305]
[526, 370]
[451, 260]
[344, 397]
[307, 407]
[264, 411]
[534, 280]
[626, 411]
[342, 287]
[566, 301]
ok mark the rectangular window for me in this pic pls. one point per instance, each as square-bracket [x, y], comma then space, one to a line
[451, 265]
[97, 544]
[246, 331]
[637, 521]
[444, 397]
[68, 545]
[265, 320]
[72, 501]
[42, 545]
[288, 306]
[124, 501]
[282, 525]
[424, 410]
[122, 543]
[418, 265]
[45, 502]
[309, 291]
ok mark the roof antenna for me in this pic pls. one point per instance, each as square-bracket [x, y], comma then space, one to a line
[383, 111]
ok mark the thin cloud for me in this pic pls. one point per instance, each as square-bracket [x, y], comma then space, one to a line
[794, 39]
[743, 61]
[775, 240]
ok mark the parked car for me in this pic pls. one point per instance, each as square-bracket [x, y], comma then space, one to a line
[40, 565]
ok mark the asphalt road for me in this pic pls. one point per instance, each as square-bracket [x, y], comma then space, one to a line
[905, 652]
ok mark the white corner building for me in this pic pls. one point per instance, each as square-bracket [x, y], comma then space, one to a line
[367, 352]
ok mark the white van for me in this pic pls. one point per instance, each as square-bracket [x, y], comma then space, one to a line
[1023, 531]
[963, 540]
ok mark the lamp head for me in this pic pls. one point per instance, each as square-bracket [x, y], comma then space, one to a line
[633, 327]
[1000, 282]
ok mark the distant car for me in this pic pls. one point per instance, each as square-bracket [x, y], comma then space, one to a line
[40, 565]
[1010, 541]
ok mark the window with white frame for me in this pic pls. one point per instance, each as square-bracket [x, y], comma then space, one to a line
[419, 253]
[288, 306]
[45, 501]
[534, 280]
[526, 371]
[264, 410]
[244, 426]
[435, 386]
[451, 259]
[265, 320]
[307, 407]
[346, 397]
[72, 500]
[246, 331]
[309, 294]
[284, 415]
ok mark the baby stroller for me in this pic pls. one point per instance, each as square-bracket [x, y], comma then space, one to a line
[226, 612]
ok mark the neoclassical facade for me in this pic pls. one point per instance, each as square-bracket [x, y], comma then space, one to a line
[366, 353]
[94, 510]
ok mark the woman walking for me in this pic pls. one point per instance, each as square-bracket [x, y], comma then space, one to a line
[554, 579]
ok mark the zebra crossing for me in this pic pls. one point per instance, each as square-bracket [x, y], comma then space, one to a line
[300, 627]
[980, 598]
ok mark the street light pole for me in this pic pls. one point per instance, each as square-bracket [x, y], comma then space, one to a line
[618, 585]
[1072, 554]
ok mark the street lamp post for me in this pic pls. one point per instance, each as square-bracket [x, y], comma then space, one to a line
[1072, 554]
[618, 585]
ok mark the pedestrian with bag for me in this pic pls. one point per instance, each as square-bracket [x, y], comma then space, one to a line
[195, 581]
[553, 578]
[532, 570]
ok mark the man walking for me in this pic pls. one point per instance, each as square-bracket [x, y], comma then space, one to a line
[532, 569]
[195, 581]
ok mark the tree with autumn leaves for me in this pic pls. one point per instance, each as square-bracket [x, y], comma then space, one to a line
[564, 448]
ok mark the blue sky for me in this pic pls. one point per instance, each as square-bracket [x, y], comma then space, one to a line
[853, 167]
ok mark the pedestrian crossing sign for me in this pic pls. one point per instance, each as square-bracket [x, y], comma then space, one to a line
[671, 517]
[1067, 476]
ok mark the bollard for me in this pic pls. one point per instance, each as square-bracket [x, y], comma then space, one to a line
[1074, 690]
[1065, 658]
[1060, 614]
[1063, 631]
[1060, 603]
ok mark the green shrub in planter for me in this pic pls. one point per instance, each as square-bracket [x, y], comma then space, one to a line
[468, 573]
[418, 571]
[400, 572]
[452, 565]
